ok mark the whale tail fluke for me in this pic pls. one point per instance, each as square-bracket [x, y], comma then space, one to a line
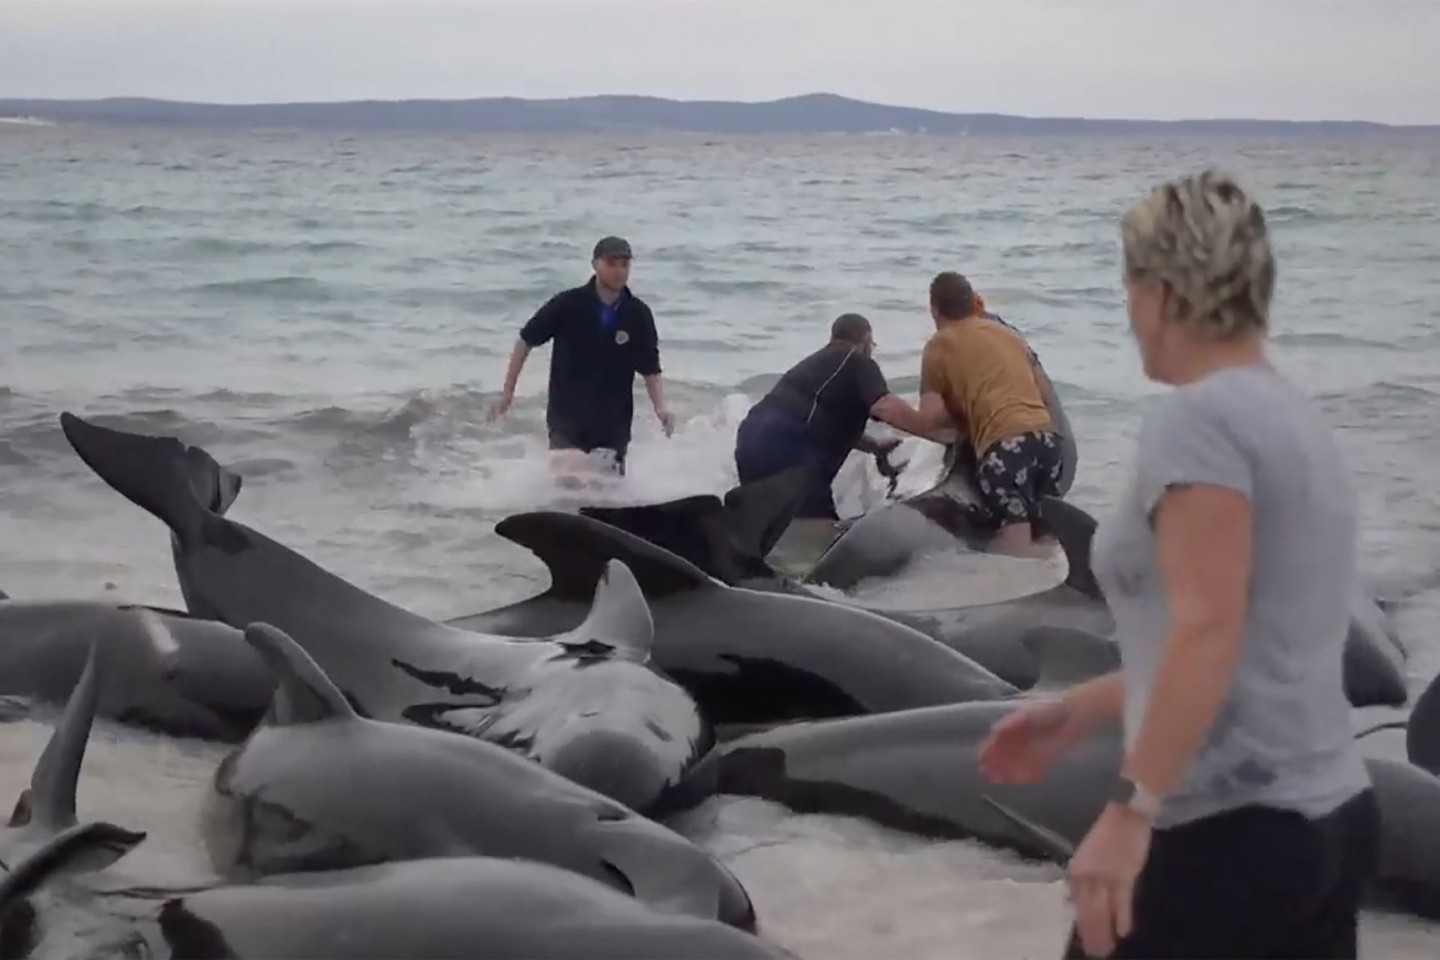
[184, 487]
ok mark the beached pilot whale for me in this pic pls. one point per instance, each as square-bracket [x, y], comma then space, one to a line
[885, 540]
[586, 703]
[455, 908]
[54, 886]
[917, 771]
[168, 671]
[1052, 637]
[747, 656]
[318, 787]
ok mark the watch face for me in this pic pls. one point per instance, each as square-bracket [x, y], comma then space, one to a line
[1123, 792]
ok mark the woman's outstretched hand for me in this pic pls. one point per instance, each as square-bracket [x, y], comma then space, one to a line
[1023, 745]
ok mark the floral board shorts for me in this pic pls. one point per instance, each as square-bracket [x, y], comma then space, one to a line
[1016, 472]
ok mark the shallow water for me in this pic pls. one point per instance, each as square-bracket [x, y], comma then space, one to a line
[331, 315]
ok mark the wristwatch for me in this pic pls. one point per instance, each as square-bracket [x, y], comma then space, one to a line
[1132, 796]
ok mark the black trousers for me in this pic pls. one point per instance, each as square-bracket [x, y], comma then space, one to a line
[1257, 883]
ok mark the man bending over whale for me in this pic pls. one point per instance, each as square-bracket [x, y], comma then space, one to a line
[978, 371]
[816, 414]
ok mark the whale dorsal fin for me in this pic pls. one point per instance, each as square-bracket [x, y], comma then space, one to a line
[1075, 529]
[49, 802]
[575, 548]
[184, 487]
[4, 595]
[1046, 841]
[689, 527]
[303, 693]
[727, 540]
[619, 616]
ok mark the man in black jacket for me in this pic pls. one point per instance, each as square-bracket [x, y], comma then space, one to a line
[603, 336]
[817, 412]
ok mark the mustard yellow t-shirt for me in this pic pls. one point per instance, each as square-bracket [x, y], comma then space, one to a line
[982, 371]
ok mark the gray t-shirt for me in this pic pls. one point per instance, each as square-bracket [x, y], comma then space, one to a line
[1282, 737]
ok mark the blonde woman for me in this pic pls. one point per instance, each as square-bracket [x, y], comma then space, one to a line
[1242, 823]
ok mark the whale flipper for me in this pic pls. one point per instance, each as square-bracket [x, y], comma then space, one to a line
[184, 487]
[575, 549]
[81, 848]
[619, 616]
[303, 693]
[1075, 529]
[1046, 841]
[1422, 730]
[49, 801]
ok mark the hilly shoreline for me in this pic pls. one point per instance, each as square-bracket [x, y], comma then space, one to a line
[812, 114]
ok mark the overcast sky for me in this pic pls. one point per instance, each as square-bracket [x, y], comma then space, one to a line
[1296, 59]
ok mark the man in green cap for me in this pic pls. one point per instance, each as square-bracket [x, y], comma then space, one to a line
[604, 334]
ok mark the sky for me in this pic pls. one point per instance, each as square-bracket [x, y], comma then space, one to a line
[1163, 59]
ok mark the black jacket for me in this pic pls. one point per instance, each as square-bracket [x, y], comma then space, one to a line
[592, 368]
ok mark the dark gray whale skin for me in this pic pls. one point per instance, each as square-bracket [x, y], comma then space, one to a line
[1057, 634]
[318, 787]
[55, 881]
[449, 909]
[452, 909]
[588, 704]
[918, 771]
[747, 656]
[167, 671]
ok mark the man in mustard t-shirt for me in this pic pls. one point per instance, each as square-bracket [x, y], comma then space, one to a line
[979, 372]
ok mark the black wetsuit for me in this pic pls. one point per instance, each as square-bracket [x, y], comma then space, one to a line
[814, 416]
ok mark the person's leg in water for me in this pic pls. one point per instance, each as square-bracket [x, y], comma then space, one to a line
[1012, 477]
[769, 442]
[572, 458]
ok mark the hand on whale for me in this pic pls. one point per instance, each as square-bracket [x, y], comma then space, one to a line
[587, 702]
[167, 671]
[747, 656]
[318, 787]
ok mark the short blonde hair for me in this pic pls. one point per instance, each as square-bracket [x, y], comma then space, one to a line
[1207, 240]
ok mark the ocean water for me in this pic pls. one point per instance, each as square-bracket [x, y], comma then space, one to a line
[331, 315]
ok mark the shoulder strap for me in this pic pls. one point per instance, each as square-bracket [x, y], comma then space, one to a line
[815, 401]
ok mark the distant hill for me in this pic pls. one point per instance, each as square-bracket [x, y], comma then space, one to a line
[818, 113]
